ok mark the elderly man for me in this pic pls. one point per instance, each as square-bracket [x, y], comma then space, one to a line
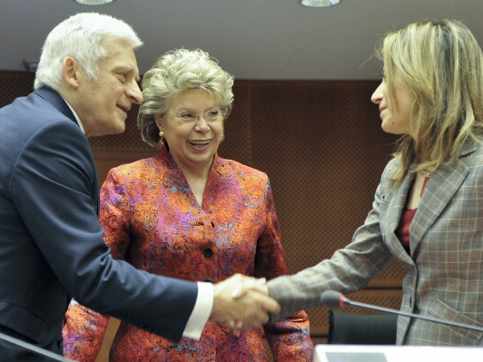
[51, 246]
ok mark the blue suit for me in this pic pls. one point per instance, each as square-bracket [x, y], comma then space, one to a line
[51, 247]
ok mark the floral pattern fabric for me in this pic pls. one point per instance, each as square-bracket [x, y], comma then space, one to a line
[152, 219]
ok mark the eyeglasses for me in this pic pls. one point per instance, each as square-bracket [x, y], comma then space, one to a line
[211, 115]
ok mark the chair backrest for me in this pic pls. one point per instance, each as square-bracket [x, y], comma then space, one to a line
[350, 328]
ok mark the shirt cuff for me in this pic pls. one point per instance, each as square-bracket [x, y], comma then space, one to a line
[201, 311]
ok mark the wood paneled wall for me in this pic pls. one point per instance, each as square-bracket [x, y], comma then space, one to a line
[321, 144]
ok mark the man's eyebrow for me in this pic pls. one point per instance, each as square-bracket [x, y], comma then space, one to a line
[123, 68]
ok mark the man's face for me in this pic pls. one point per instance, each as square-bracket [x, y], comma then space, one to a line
[102, 104]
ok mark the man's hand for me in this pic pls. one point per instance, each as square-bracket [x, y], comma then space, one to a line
[242, 302]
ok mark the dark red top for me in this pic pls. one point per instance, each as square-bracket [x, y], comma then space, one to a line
[404, 225]
[405, 222]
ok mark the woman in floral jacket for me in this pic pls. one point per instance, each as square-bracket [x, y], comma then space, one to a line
[188, 213]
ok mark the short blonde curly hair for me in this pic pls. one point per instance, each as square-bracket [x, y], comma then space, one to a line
[173, 73]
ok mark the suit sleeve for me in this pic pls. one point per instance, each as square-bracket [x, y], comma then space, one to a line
[53, 187]
[349, 269]
[84, 329]
[289, 338]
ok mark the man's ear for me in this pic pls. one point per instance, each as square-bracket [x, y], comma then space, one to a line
[71, 72]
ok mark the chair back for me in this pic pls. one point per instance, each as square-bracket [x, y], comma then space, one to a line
[350, 328]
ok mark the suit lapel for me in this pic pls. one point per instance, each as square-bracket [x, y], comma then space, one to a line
[52, 97]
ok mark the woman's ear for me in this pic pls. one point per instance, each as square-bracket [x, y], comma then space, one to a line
[159, 120]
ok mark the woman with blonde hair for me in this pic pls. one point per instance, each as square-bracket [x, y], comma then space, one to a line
[428, 207]
[191, 214]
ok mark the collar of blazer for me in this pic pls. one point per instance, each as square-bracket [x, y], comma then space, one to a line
[440, 189]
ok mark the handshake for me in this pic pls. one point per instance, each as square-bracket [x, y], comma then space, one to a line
[242, 302]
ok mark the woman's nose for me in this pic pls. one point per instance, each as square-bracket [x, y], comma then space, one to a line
[377, 95]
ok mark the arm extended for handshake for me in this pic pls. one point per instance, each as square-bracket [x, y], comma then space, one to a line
[242, 302]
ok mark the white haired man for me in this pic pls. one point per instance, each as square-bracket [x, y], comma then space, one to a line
[51, 246]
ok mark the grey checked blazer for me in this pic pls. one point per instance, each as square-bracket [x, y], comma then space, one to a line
[445, 268]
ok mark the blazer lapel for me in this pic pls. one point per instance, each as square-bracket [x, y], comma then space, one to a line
[440, 189]
[393, 218]
[54, 98]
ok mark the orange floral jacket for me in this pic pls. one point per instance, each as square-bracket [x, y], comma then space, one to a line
[152, 219]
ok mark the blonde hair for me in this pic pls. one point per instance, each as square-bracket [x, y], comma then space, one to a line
[440, 63]
[173, 73]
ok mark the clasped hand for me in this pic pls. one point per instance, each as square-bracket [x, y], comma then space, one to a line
[242, 302]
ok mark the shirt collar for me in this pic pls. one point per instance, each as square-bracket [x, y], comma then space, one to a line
[77, 119]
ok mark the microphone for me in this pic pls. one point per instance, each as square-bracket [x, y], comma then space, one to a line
[333, 299]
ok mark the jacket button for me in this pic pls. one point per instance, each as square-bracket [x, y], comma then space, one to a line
[207, 252]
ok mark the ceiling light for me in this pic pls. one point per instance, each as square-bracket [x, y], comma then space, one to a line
[319, 3]
[94, 2]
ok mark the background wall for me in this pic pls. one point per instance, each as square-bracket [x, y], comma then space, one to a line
[321, 144]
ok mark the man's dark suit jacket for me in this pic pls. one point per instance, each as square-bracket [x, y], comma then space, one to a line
[51, 247]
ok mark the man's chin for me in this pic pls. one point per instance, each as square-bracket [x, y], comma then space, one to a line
[108, 132]
[118, 127]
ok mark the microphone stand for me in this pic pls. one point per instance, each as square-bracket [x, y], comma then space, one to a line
[347, 301]
[33, 348]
